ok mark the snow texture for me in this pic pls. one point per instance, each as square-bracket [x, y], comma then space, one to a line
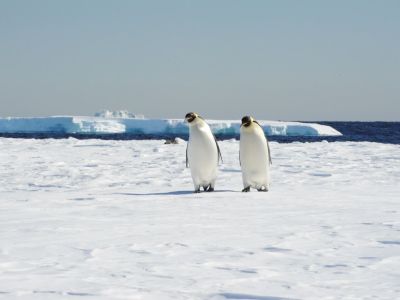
[112, 122]
[97, 219]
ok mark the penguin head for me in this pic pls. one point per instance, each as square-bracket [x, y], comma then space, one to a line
[191, 117]
[247, 120]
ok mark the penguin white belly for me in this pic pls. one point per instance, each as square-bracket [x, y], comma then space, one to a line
[254, 160]
[202, 157]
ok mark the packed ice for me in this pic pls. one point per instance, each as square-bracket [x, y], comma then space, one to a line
[118, 220]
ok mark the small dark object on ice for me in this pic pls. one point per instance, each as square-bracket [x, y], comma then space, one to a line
[171, 141]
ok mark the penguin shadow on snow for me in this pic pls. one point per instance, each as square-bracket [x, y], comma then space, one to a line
[230, 170]
[175, 193]
[251, 297]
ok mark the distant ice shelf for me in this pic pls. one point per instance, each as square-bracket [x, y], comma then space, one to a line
[113, 125]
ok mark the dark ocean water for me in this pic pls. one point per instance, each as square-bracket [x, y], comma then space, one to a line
[380, 132]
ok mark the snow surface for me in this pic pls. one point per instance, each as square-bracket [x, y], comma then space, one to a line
[99, 219]
[119, 124]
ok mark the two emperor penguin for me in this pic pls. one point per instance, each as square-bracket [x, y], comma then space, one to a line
[202, 153]
[254, 155]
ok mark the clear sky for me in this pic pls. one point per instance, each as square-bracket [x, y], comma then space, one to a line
[282, 60]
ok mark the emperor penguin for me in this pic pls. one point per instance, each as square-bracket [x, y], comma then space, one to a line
[202, 153]
[254, 155]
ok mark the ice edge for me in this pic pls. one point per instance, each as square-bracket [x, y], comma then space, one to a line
[101, 125]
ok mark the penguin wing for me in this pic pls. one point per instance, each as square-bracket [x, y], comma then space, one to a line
[269, 151]
[187, 161]
[219, 151]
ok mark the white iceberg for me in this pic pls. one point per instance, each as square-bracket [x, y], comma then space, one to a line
[124, 114]
[123, 122]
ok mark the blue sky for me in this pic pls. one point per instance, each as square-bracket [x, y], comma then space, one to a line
[286, 60]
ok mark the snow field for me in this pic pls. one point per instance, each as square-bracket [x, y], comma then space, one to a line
[117, 220]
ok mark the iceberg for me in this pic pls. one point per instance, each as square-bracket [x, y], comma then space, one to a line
[110, 123]
[117, 114]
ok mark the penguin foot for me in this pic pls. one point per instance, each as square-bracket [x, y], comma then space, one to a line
[208, 188]
[247, 189]
[262, 189]
[197, 191]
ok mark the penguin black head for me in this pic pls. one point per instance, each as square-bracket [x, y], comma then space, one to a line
[190, 117]
[246, 121]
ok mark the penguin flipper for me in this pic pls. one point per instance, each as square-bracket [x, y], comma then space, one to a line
[187, 161]
[269, 154]
[219, 151]
[269, 151]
